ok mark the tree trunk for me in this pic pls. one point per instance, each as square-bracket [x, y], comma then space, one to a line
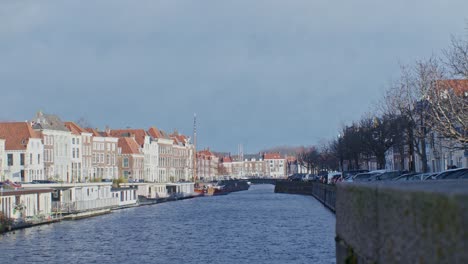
[356, 162]
[424, 155]
[380, 161]
[411, 162]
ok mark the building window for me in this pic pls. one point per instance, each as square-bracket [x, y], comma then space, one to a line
[22, 159]
[38, 158]
[125, 162]
[30, 158]
[10, 159]
[73, 140]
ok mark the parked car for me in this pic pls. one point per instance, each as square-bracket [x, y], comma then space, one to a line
[428, 176]
[464, 175]
[386, 176]
[312, 177]
[296, 177]
[348, 175]
[452, 174]
[364, 177]
[333, 177]
[407, 177]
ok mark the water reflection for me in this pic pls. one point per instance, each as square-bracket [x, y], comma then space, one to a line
[255, 226]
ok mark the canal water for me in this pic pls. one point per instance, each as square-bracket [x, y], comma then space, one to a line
[254, 226]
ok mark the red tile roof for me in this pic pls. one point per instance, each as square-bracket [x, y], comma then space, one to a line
[74, 128]
[17, 135]
[155, 133]
[178, 137]
[139, 134]
[272, 156]
[93, 131]
[460, 87]
[129, 145]
[205, 152]
[227, 159]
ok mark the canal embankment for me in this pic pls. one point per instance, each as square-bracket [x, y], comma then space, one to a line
[325, 193]
[410, 222]
[395, 222]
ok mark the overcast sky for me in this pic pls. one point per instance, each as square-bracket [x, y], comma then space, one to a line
[260, 73]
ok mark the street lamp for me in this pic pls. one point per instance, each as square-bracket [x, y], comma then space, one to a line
[340, 151]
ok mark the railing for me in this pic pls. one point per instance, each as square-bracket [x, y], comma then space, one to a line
[81, 206]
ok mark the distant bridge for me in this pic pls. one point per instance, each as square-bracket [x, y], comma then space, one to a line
[264, 180]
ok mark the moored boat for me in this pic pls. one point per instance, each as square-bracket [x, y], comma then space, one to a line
[228, 186]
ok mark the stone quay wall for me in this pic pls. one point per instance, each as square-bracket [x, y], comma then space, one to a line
[325, 193]
[409, 222]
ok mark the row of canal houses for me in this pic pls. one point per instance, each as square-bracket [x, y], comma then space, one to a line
[75, 167]
[215, 166]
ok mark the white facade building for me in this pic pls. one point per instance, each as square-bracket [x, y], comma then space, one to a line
[2, 158]
[57, 145]
[275, 165]
[23, 155]
[81, 153]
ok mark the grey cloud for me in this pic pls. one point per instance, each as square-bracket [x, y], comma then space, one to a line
[261, 73]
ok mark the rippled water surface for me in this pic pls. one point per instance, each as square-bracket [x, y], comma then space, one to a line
[254, 226]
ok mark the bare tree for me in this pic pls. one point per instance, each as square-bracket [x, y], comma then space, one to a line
[379, 134]
[456, 57]
[83, 122]
[449, 98]
[410, 99]
[449, 110]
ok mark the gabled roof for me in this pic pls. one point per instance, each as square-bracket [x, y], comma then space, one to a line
[226, 159]
[155, 133]
[128, 145]
[205, 152]
[272, 156]
[17, 135]
[139, 134]
[46, 121]
[176, 142]
[158, 133]
[93, 131]
[179, 139]
[74, 128]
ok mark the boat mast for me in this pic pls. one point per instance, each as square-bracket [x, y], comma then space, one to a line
[195, 147]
